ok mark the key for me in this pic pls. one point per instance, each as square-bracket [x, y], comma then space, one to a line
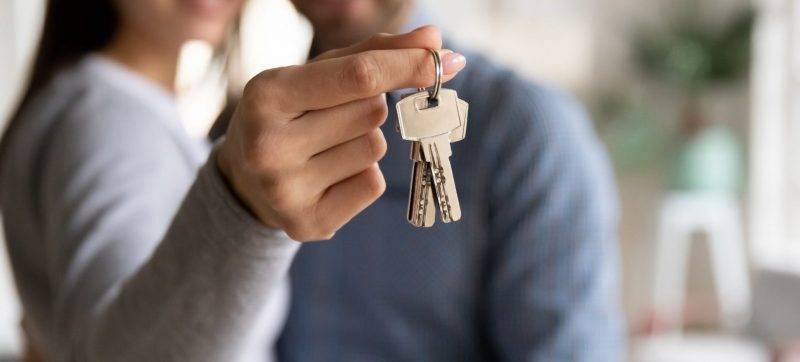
[421, 211]
[432, 125]
[420, 199]
[459, 133]
[436, 151]
[432, 120]
[418, 119]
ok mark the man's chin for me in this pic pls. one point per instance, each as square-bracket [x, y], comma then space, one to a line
[341, 32]
[338, 38]
[340, 23]
[341, 8]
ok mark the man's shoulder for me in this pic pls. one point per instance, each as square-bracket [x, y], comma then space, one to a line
[503, 102]
[490, 86]
[520, 125]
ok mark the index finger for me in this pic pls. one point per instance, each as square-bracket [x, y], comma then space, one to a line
[336, 81]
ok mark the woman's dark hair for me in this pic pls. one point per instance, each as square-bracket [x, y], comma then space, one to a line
[72, 29]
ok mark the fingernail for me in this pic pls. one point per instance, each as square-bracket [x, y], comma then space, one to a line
[421, 27]
[453, 62]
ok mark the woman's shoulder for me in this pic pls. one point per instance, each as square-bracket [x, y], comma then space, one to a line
[85, 99]
[82, 111]
[95, 88]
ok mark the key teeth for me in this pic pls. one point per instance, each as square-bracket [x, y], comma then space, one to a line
[424, 199]
[440, 187]
[419, 213]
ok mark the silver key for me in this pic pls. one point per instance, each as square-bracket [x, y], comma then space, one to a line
[421, 211]
[433, 127]
[461, 132]
[436, 150]
[431, 120]
[463, 109]
[417, 119]
[421, 202]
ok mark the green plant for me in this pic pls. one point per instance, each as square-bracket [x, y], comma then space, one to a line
[691, 56]
[686, 55]
[632, 131]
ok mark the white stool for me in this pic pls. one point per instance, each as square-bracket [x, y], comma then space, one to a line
[717, 216]
[697, 347]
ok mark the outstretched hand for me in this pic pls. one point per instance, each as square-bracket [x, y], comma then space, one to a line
[303, 145]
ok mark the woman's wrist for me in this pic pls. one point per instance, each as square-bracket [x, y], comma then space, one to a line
[225, 166]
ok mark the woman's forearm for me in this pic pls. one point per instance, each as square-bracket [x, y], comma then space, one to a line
[199, 294]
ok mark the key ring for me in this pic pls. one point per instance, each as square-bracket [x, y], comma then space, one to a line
[437, 62]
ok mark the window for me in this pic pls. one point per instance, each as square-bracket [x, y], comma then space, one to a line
[775, 137]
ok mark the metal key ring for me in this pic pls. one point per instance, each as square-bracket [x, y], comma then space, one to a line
[437, 62]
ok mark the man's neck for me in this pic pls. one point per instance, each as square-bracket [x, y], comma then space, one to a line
[323, 42]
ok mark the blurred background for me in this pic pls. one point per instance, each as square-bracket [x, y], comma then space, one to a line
[698, 102]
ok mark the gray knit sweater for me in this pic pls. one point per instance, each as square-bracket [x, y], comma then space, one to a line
[125, 247]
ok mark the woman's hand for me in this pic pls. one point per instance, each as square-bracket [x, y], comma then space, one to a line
[303, 145]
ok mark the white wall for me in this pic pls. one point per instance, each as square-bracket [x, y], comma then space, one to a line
[19, 23]
[552, 41]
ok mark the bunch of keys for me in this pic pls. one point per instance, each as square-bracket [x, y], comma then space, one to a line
[431, 120]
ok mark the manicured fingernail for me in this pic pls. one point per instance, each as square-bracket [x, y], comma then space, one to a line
[421, 27]
[452, 62]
